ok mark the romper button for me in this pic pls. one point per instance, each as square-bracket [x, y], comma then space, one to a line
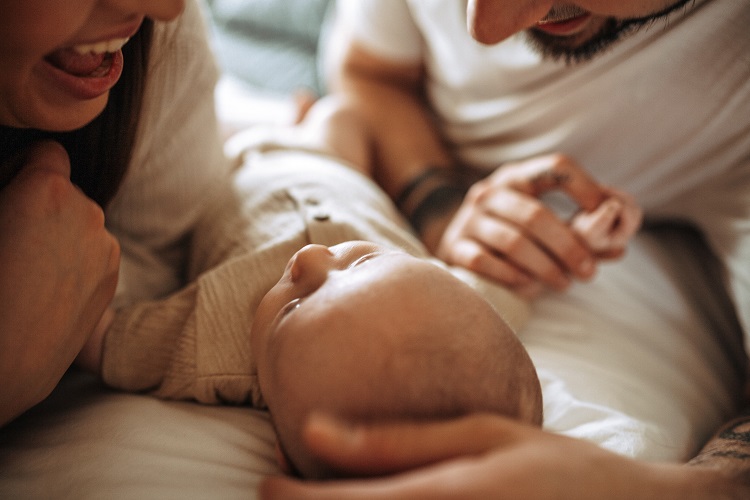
[321, 216]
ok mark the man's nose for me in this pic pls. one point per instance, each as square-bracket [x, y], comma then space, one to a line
[492, 21]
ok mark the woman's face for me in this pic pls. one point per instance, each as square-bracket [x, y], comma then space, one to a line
[60, 58]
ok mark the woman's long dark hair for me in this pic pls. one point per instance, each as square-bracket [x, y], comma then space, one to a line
[100, 151]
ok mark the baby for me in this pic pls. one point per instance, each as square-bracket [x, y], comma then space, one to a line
[368, 333]
[327, 304]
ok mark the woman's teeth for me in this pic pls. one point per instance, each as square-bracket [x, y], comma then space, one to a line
[108, 46]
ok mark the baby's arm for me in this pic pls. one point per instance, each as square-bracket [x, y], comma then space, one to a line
[191, 345]
[608, 228]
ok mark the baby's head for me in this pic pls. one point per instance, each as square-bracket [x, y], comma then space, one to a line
[367, 334]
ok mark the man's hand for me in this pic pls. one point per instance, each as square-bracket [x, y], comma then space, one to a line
[484, 456]
[58, 273]
[506, 233]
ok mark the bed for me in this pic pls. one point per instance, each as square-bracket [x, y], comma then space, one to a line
[650, 380]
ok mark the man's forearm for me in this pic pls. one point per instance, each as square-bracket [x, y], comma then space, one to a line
[390, 98]
[729, 451]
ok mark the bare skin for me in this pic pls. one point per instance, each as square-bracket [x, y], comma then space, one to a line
[57, 257]
[503, 231]
[485, 456]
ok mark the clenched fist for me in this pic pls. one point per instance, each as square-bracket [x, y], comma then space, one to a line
[58, 273]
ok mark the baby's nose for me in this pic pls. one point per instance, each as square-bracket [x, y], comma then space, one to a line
[311, 261]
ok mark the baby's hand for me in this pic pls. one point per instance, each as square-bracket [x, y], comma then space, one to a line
[608, 228]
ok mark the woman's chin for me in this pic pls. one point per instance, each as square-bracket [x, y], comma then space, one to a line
[57, 116]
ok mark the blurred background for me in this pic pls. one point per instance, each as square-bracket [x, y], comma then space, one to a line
[268, 50]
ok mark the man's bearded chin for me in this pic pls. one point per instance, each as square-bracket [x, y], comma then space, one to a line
[571, 49]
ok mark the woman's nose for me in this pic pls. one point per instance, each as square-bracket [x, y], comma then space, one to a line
[492, 21]
[311, 265]
[158, 10]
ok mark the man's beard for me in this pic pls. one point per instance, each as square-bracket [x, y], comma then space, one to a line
[613, 29]
[565, 48]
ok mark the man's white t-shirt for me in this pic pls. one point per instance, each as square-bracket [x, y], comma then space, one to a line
[655, 115]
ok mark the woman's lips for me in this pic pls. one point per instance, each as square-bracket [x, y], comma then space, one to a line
[89, 70]
[565, 27]
[83, 76]
[77, 64]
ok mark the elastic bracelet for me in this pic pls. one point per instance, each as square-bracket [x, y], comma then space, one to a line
[435, 203]
[413, 184]
[430, 194]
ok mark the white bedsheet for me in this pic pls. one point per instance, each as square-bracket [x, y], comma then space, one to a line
[86, 442]
[650, 378]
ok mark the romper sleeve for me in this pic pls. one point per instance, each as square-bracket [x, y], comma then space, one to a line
[194, 344]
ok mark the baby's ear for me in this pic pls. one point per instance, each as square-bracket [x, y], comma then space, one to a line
[283, 462]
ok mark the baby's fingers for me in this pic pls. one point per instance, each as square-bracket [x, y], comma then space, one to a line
[599, 228]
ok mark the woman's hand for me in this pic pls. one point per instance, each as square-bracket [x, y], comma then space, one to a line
[506, 233]
[482, 456]
[58, 273]
[92, 353]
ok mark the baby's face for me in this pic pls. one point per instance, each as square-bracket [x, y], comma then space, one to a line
[336, 299]
[321, 280]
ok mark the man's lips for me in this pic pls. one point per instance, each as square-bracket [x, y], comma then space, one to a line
[564, 27]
